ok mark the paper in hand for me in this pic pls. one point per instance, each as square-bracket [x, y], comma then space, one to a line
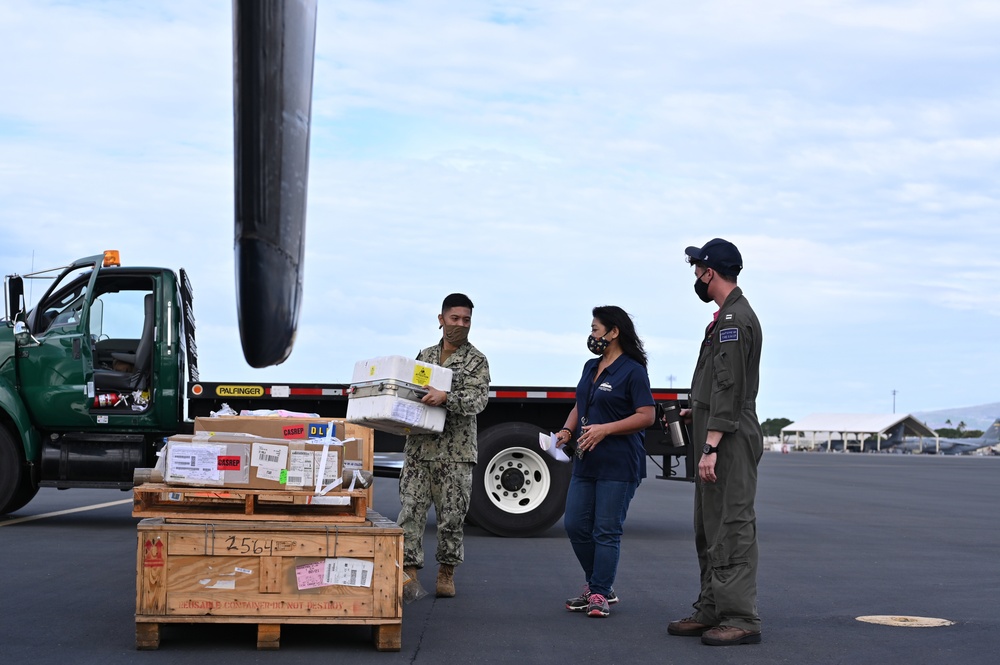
[547, 442]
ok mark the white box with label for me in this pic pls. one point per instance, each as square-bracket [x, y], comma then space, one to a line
[385, 395]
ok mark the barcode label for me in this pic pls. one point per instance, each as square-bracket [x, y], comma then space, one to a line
[269, 456]
[348, 572]
[193, 462]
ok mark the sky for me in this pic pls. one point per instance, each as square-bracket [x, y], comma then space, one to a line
[545, 158]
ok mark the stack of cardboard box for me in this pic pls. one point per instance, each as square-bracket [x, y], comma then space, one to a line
[267, 453]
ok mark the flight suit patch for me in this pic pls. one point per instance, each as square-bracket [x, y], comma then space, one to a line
[729, 335]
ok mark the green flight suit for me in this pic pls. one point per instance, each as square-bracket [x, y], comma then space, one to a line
[437, 468]
[723, 394]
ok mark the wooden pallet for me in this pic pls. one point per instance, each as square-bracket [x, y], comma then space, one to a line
[257, 573]
[385, 636]
[205, 503]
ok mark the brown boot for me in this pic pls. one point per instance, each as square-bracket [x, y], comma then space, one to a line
[446, 581]
[410, 571]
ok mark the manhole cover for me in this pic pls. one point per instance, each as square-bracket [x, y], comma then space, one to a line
[911, 622]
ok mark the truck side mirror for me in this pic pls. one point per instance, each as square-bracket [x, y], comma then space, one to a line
[15, 297]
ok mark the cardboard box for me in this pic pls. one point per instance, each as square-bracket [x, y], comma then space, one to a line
[355, 454]
[271, 427]
[238, 460]
[203, 463]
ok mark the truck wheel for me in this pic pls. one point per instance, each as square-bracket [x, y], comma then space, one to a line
[16, 488]
[517, 490]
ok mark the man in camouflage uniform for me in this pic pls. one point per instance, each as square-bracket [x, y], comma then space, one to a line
[438, 467]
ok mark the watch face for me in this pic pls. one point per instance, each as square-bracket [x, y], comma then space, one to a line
[706, 449]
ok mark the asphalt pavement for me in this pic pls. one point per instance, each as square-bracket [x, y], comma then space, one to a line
[841, 536]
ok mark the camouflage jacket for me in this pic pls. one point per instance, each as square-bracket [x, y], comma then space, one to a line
[470, 389]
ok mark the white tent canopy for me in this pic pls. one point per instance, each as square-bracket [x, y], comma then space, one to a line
[853, 426]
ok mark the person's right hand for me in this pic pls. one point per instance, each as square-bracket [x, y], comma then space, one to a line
[562, 438]
[686, 415]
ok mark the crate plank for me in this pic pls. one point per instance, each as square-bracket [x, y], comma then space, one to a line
[208, 504]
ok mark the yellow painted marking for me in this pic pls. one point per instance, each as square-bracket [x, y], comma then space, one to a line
[31, 518]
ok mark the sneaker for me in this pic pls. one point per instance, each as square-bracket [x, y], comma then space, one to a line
[582, 602]
[598, 606]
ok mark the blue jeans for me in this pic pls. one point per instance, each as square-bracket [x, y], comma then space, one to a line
[595, 515]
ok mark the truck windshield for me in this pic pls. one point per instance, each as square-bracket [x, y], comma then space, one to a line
[64, 307]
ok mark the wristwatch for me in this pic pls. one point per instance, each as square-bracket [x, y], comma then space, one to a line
[709, 450]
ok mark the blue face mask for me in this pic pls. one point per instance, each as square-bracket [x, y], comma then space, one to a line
[597, 345]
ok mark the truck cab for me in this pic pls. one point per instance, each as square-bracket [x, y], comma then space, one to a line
[91, 377]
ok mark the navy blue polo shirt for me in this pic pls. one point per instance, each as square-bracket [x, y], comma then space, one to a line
[618, 392]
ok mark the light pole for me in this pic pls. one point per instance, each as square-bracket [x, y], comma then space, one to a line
[894, 400]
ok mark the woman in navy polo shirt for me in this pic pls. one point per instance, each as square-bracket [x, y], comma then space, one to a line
[613, 408]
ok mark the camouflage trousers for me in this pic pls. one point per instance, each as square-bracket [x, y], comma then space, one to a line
[448, 485]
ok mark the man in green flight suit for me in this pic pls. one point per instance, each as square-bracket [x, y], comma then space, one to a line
[438, 467]
[728, 444]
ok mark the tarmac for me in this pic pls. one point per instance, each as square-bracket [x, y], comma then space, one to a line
[841, 536]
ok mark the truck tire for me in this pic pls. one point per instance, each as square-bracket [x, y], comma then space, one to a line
[517, 490]
[16, 487]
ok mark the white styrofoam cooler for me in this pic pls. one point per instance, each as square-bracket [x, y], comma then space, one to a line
[386, 391]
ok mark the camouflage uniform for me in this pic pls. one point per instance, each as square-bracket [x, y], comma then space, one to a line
[438, 467]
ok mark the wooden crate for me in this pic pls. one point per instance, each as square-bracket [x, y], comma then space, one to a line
[247, 572]
[211, 504]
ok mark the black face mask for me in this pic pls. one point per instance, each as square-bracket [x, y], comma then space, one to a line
[597, 345]
[701, 288]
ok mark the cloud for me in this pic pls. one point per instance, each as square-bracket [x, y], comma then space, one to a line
[546, 158]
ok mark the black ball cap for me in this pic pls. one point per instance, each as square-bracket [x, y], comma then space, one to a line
[719, 255]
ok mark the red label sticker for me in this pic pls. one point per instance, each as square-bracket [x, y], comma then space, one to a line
[230, 462]
[294, 432]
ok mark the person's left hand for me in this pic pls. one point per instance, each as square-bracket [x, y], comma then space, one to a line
[434, 397]
[591, 436]
[706, 468]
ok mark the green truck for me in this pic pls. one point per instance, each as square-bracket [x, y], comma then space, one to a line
[97, 374]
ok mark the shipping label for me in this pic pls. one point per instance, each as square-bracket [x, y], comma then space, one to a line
[348, 572]
[410, 413]
[194, 462]
[271, 461]
[309, 576]
[300, 468]
[330, 472]
[297, 431]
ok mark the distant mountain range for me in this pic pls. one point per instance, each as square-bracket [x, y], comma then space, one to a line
[975, 417]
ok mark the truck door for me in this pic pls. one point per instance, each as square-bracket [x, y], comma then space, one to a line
[55, 368]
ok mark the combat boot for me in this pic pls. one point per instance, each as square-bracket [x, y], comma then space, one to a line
[446, 581]
[410, 571]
